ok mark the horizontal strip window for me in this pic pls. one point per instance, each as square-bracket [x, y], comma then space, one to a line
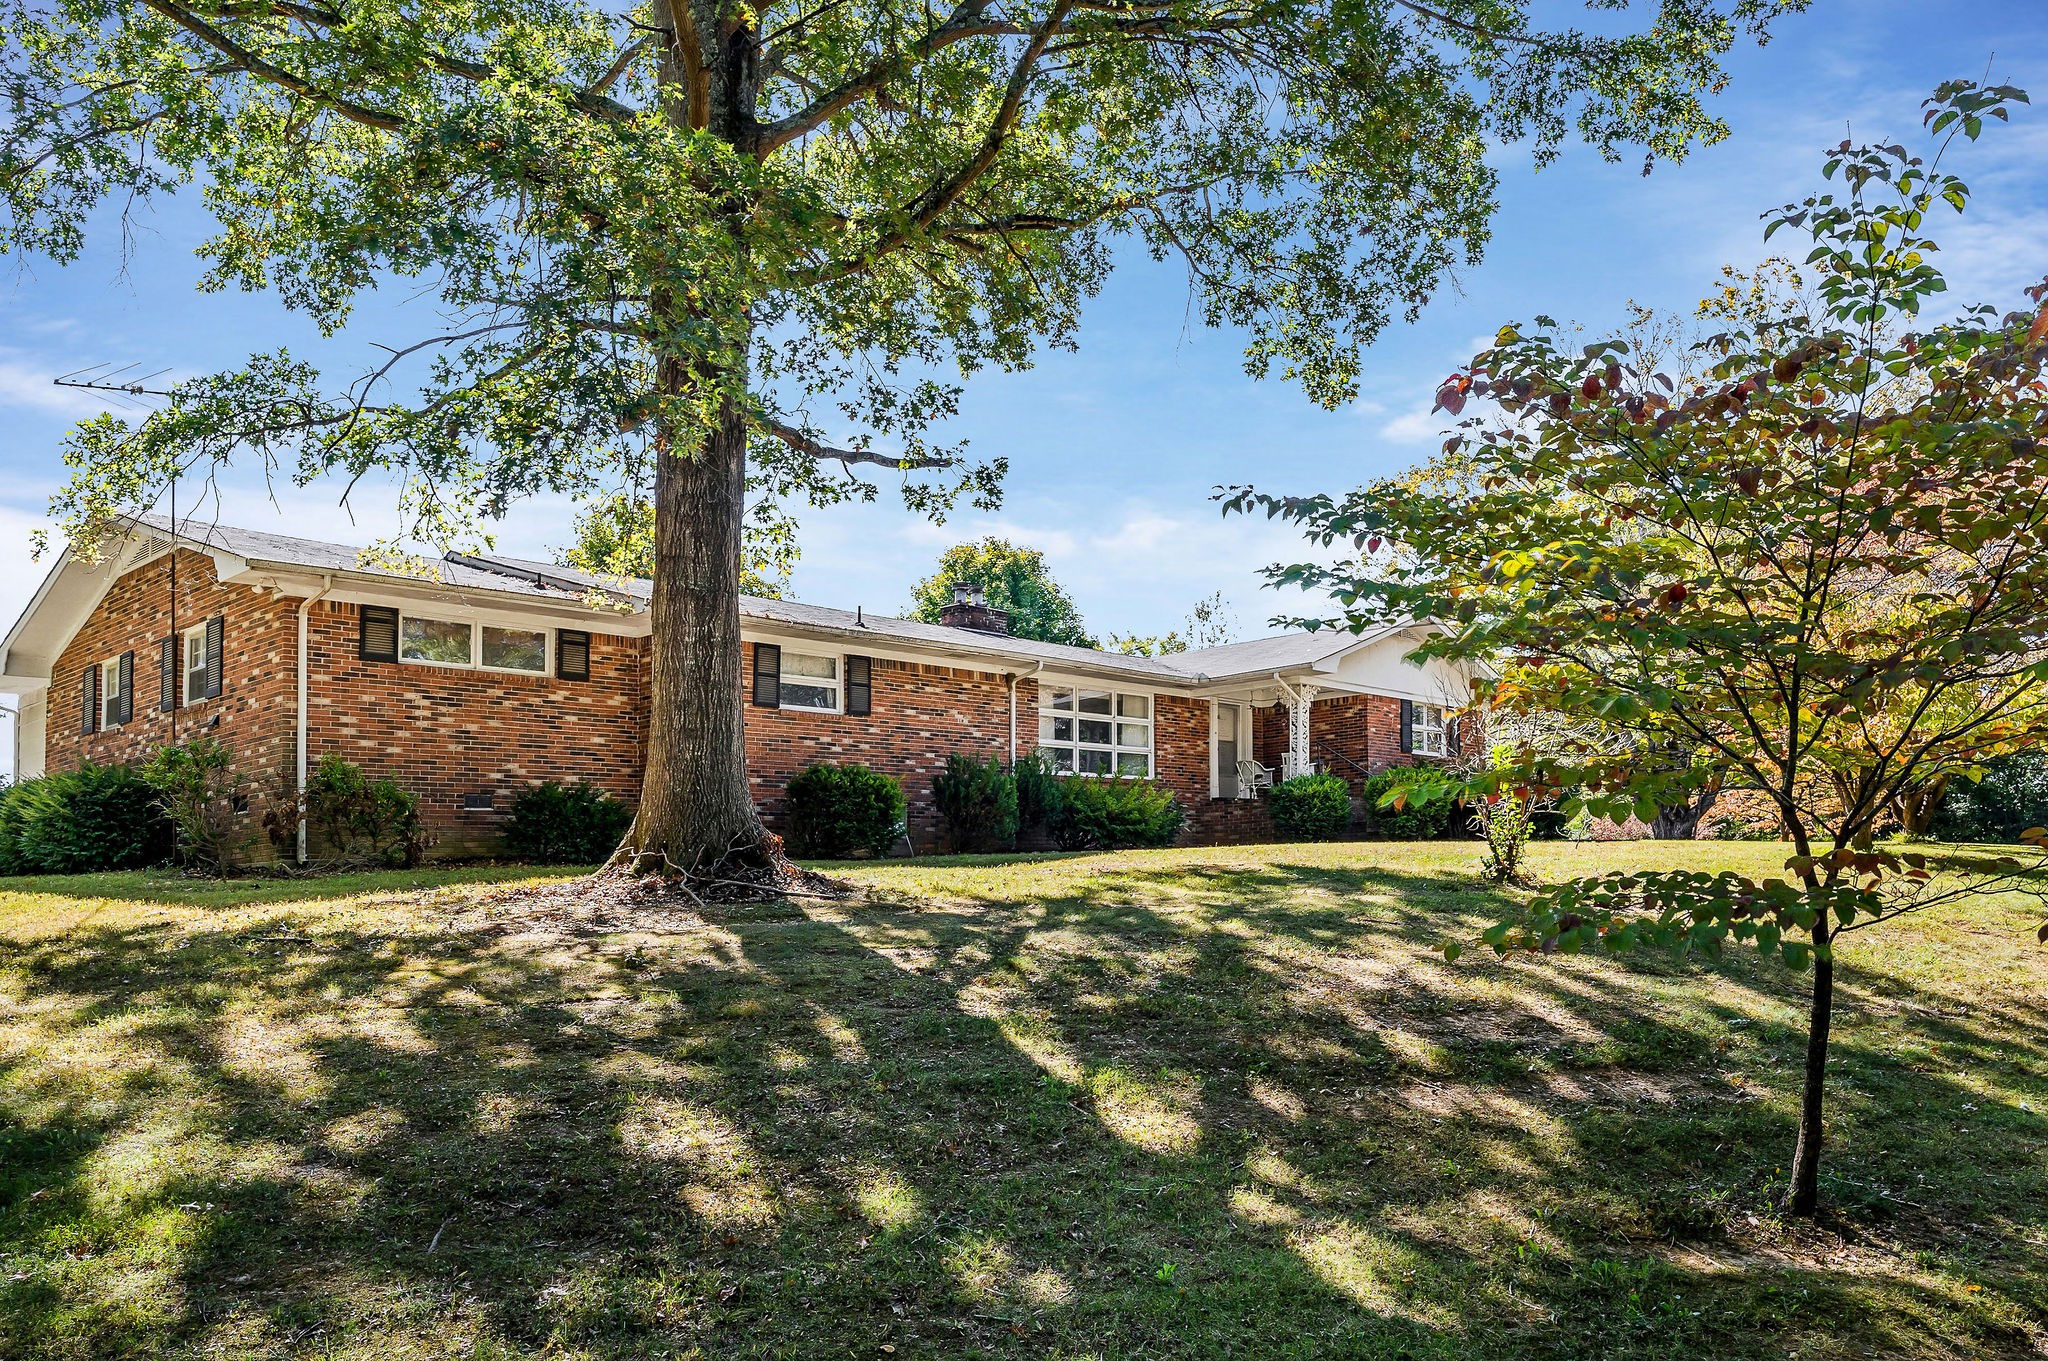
[1096, 732]
[480, 647]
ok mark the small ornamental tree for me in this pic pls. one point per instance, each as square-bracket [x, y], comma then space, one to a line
[1699, 563]
[744, 245]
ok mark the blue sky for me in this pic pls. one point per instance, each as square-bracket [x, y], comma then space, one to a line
[1114, 449]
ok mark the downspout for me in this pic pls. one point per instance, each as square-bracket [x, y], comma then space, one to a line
[1014, 679]
[305, 609]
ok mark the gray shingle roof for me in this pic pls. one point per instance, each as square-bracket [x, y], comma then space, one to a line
[285, 550]
[552, 581]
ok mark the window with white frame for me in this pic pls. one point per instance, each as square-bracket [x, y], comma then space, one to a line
[1431, 724]
[1096, 732]
[195, 663]
[485, 647]
[112, 714]
[810, 682]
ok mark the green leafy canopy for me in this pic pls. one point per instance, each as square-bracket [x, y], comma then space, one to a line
[635, 222]
[1817, 567]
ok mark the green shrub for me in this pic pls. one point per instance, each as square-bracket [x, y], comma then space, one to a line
[362, 819]
[1310, 807]
[835, 810]
[977, 800]
[195, 788]
[1041, 798]
[1111, 813]
[2012, 796]
[10, 828]
[1415, 822]
[85, 820]
[566, 824]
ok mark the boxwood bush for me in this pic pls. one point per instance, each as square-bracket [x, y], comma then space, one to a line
[1111, 813]
[566, 824]
[1310, 807]
[835, 810]
[1423, 822]
[977, 800]
[82, 821]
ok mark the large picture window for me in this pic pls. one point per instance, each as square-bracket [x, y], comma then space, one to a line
[487, 647]
[1096, 732]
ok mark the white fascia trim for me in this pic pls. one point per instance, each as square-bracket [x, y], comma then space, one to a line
[438, 599]
[863, 643]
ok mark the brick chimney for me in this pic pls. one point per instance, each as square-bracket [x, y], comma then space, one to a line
[969, 610]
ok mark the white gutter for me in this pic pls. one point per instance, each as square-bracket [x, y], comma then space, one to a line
[305, 609]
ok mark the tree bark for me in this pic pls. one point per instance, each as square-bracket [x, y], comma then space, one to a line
[1803, 1196]
[697, 813]
[1681, 821]
[696, 810]
[1916, 807]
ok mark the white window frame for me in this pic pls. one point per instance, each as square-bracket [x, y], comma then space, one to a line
[476, 629]
[1073, 747]
[1433, 738]
[110, 691]
[836, 683]
[191, 685]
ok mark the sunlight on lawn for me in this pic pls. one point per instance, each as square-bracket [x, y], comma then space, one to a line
[1207, 1102]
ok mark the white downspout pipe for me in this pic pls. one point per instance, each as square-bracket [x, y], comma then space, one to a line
[1015, 680]
[305, 609]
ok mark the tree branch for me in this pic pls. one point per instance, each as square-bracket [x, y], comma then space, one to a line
[805, 443]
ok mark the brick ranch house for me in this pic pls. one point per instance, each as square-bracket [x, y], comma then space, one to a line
[492, 673]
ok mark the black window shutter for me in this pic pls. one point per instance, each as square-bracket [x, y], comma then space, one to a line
[89, 695]
[767, 676]
[1407, 725]
[167, 674]
[860, 689]
[216, 633]
[572, 654]
[1454, 741]
[124, 703]
[378, 641]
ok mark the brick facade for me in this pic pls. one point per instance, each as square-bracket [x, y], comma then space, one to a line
[259, 668]
[448, 733]
[921, 714]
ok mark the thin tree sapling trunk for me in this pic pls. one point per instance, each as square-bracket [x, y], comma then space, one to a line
[1803, 1196]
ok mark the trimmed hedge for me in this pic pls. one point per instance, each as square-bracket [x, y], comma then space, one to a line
[1416, 822]
[82, 821]
[838, 809]
[1112, 813]
[1311, 807]
[566, 824]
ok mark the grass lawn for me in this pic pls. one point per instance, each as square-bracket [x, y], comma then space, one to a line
[1211, 1103]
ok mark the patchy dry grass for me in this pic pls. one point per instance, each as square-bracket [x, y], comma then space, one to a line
[1217, 1103]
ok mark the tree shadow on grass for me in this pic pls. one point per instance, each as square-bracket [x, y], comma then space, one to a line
[1237, 1112]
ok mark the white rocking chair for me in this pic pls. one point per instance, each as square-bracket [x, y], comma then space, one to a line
[1252, 777]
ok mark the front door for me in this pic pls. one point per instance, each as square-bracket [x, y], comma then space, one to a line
[1224, 721]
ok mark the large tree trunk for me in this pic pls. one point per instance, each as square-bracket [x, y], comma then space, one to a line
[1916, 807]
[1681, 821]
[697, 814]
[696, 810]
[1803, 1196]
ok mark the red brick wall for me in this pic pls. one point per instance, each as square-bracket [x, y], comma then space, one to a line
[920, 715]
[258, 664]
[443, 732]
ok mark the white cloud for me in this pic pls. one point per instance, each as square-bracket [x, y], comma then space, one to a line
[24, 384]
